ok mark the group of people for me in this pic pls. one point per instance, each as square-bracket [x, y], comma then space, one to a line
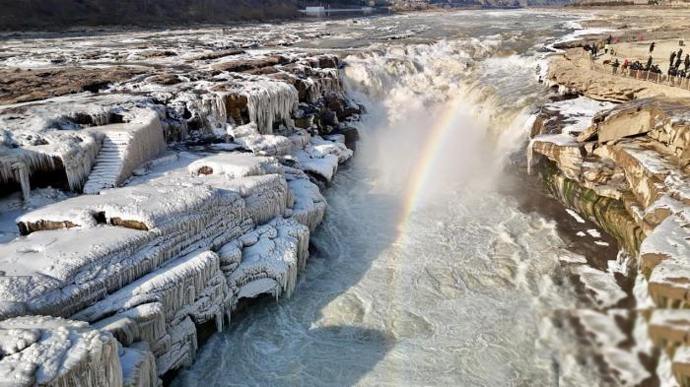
[674, 69]
[675, 61]
[596, 48]
[637, 65]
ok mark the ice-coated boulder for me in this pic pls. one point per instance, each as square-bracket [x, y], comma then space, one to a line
[266, 144]
[309, 204]
[234, 165]
[322, 157]
[49, 351]
[138, 366]
[272, 255]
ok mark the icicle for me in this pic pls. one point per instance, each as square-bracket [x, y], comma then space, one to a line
[22, 176]
[268, 100]
[530, 155]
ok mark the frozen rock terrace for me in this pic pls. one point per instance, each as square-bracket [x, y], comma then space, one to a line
[151, 198]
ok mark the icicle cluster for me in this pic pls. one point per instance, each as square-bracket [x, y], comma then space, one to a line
[49, 351]
[268, 100]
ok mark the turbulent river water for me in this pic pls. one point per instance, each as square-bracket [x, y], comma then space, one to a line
[429, 268]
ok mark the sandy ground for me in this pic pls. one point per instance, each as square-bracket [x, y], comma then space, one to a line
[663, 26]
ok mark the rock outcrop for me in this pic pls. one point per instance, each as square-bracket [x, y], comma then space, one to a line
[200, 191]
[625, 167]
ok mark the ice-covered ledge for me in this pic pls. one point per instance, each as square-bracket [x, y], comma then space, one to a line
[203, 188]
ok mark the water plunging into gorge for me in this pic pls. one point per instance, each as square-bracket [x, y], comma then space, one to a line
[431, 268]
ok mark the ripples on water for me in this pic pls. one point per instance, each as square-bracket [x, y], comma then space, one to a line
[454, 292]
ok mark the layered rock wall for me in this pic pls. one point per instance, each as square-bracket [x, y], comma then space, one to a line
[625, 167]
[203, 185]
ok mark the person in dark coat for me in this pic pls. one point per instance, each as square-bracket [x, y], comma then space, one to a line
[649, 63]
[651, 47]
[678, 60]
[609, 39]
[673, 57]
[687, 62]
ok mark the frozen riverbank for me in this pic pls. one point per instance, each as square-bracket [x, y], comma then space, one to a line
[200, 171]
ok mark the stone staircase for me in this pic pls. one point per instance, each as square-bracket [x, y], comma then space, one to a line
[109, 163]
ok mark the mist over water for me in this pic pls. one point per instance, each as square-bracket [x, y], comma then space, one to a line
[455, 289]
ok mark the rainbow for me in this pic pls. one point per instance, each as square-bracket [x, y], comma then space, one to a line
[428, 159]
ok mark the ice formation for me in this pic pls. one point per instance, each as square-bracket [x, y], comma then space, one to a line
[48, 351]
[310, 205]
[234, 165]
[268, 100]
[266, 144]
[125, 147]
[192, 203]
[276, 251]
[321, 157]
[71, 152]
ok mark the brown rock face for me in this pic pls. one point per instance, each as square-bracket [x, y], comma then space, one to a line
[242, 65]
[165, 79]
[133, 224]
[31, 85]
[328, 62]
[661, 118]
[218, 54]
[43, 225]
[236, 106]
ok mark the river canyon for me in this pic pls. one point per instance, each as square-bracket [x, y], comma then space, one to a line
[321, 203]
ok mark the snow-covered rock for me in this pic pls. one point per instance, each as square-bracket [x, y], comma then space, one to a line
[309, 206]
[186, 290]
[234, 165]
[321, 157]
[49, 351]
[125, 147]
[266, 145]
[275, 251]
[162, 245]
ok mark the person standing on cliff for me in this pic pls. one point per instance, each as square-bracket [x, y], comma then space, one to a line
[651, 47]
[673, 57]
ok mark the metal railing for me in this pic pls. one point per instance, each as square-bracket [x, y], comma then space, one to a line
[641, 75]
[647, 76]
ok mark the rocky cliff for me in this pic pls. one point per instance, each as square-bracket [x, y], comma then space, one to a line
[615, 150]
